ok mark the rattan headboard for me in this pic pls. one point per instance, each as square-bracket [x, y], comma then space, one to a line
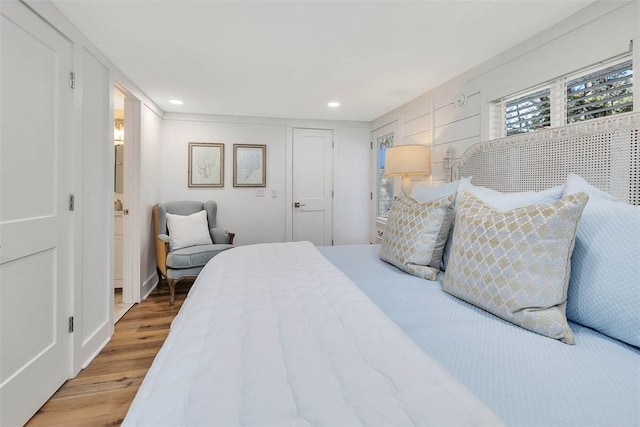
[606, 152]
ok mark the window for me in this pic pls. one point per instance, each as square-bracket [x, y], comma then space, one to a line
[385, 183]
[588, 94]
[603, 93]
[528, 113]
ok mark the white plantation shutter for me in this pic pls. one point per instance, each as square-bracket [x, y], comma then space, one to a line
[595, 92]
[602, 93]
[528, 113]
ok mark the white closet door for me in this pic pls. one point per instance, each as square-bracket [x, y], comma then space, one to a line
[313, 186]
[35, 162]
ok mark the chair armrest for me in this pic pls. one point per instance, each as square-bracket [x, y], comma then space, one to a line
[220, 235]
[162, 249]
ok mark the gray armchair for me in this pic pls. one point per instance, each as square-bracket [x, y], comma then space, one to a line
[186, 263]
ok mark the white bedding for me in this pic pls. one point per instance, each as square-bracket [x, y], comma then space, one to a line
[276, 335]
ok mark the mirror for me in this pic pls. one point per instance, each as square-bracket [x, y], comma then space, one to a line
[119, 169]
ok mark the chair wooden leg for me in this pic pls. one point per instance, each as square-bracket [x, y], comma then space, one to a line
[172, 291]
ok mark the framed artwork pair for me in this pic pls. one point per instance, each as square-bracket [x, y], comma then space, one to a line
[206, 165]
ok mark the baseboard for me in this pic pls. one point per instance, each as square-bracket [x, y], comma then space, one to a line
[95, 353]
[149, 285]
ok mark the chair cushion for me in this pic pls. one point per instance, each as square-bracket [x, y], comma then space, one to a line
[181, 273]
[194, 256]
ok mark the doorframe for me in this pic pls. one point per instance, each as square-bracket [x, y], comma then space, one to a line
[289, 178]
[387, 128]
[130, 222]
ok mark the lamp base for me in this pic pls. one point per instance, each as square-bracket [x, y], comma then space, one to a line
[407, 185]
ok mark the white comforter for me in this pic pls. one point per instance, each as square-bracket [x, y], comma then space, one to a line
[276, 335]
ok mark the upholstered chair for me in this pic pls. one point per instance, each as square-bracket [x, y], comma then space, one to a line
[186, 262]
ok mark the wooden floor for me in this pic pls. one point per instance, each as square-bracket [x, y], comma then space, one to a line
[101, 394]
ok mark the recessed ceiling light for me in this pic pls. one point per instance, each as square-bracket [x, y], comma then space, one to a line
[333, 104]
[175, 102]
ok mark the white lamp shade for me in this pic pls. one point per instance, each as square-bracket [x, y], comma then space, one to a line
[406, 160]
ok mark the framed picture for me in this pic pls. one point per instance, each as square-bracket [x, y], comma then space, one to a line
[249, 165]
[206, 164]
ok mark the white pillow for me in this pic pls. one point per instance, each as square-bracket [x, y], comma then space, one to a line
[423, 193]
[191, 230]
[508, 201]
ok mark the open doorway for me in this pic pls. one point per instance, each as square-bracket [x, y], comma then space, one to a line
[120, 279]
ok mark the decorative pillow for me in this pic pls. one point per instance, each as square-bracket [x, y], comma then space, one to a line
[415, 235]
[516, 264]
[604, 290]
[423, 193]
[191, 230]
[501, 201]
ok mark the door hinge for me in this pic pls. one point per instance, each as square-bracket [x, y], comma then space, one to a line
[72, 202]
[70, 324]
[332, 194]
[72, 80]
[332, 243]
[371, 196]
[333, 144]
[372, 145]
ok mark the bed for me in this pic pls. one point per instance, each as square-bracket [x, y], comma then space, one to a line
[290, 334]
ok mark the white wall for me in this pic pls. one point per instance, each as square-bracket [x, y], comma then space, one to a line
[598, 32]
[266, 219]
[352, 202]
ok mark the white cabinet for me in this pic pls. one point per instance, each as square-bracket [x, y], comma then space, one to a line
[118, 242]
[381, 225]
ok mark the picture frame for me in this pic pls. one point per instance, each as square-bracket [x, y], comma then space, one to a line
[249, 165]
[206, 165]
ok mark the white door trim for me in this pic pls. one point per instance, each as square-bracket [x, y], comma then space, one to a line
[86, 342]
[391, 127]
[131, 222]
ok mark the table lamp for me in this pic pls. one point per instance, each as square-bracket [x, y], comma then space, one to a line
[407, 160]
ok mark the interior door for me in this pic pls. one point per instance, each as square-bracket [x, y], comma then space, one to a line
[35, 162]
[313, 186]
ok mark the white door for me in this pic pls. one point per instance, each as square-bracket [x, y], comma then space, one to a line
[313, 186]
[35, 162]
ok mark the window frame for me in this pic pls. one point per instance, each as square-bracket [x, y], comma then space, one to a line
[389, 181]
[557, 94]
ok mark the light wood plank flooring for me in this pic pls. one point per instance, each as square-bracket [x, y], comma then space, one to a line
[119, 307]
[101, 394]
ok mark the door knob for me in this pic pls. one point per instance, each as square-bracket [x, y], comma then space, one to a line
[298, 204]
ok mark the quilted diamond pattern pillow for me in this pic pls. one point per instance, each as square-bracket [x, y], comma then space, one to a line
[604, 290]
[415, 235]
[516, 264]
[502, 201]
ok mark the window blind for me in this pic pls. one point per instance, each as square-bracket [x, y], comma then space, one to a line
[528, 113]
[602, 93]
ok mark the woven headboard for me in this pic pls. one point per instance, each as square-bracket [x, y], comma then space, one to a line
[605, 152]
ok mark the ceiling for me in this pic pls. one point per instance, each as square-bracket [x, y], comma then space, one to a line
[290, 58]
